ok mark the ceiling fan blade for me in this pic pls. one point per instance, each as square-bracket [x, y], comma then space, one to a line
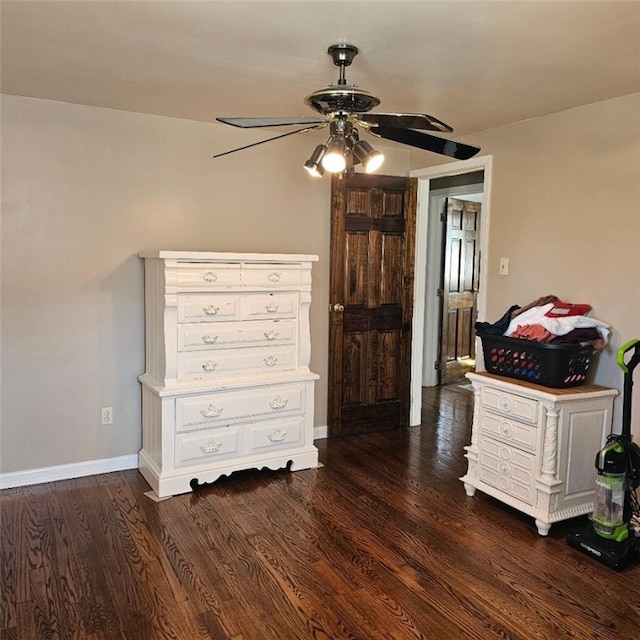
[404, 121]
[250, 123]
[283, 135]
[425, 141]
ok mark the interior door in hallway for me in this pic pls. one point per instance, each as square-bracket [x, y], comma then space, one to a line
[459, 289]
[372, 259]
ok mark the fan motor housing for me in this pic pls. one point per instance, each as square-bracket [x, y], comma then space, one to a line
[341, 99]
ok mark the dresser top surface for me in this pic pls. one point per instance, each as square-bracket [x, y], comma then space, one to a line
[217, 256]
[512, 384]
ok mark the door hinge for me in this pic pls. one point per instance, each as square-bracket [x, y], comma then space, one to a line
[436, 365]
[440, 292]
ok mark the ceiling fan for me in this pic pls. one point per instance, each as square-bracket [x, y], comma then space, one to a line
[345, 108]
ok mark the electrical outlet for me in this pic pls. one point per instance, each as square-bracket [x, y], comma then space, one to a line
[107, 415]
[504, 267]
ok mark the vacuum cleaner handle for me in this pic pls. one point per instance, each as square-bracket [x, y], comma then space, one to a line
[629, 366]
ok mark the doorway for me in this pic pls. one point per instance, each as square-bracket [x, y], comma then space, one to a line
[371, 288]
[428, 265]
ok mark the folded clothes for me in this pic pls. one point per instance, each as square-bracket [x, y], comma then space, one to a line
[549, 320]
[577, 336]
[533, 332]
[497, 328]
[538, 333]
[561, 309]
[556, 326]
[583, 334]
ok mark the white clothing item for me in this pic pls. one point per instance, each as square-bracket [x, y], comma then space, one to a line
[557, 326]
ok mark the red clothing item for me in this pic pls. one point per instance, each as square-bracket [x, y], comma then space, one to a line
[532, 332]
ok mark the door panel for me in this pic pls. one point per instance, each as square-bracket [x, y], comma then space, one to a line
[372, 253]
[460, 289]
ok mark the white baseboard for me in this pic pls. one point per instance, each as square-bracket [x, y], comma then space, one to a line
[67, 471]
[320, 433]
[89, 468]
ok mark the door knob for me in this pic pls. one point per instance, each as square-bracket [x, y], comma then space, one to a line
[338, 307]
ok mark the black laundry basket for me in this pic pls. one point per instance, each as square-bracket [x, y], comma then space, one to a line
[551, 365]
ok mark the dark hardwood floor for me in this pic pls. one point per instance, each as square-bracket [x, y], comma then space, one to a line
[381, 542]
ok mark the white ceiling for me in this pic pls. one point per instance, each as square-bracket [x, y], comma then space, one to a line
[474, 64]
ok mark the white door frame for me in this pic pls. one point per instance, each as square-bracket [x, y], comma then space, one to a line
[424, 176]
[432, 302]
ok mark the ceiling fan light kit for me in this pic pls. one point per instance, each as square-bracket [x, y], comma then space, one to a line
[345, 108]
[371, 158]
[314, 164]
[334, 159]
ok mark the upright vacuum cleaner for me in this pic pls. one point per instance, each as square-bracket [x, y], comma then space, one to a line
[613, 537]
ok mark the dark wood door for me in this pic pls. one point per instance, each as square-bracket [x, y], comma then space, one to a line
[459, 289]
[372, 257]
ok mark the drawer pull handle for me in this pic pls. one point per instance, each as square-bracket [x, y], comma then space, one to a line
[209, 339]
[506, 429]
[277, 435]
[505, 453]
[504, 468]
[209, 276]
[272, 307]
[211, 310]
[505, 404]
[212, 446]
[211, 411]
[271, 361]
[271, 335]
[274, 277]
[278, 402]
[209, 365]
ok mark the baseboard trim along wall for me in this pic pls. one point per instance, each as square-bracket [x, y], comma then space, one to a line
[89, 468]
[67, 471]
[320, 433]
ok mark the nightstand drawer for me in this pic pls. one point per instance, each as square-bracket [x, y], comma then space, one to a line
[507, 469]
[205, 277]
[221, 408]
[209, 364]
[271, 277]
[274, 434]
[209, 308]
[509, 431]
[511, 405]
[201, 446]
[196, 337]
[270, 305]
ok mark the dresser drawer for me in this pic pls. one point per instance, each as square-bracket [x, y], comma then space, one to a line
[209, 308]
[509, 431]
[206, 277]
[210, 364]
[270, 305]
[224, 407]
[507, 469]
[274, 434]
[201, 446]
[196, 337]
[272, 277]
[511, 405]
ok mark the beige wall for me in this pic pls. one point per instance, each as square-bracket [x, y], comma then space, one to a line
[83, 191]
[565, 210]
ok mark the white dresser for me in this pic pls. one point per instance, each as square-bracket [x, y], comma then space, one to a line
[227, 384]
[534, 448]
